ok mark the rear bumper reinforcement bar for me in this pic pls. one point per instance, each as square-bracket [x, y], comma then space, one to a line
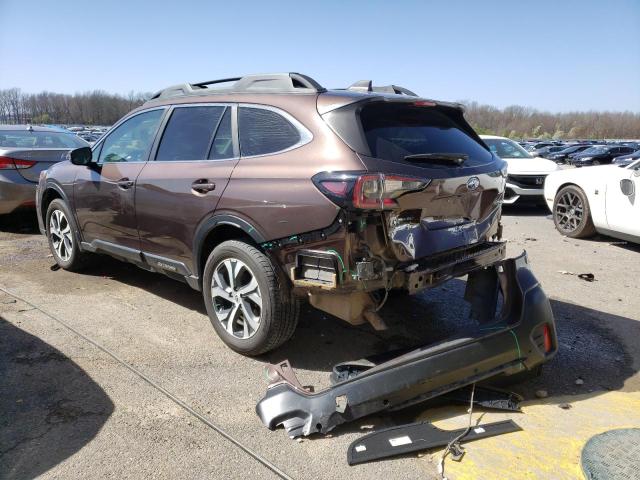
[514, 342]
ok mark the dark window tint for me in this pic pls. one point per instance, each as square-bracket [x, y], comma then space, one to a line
[394, 131]
[131, 141]
[222, 146]
[264, 131]
[189, 133]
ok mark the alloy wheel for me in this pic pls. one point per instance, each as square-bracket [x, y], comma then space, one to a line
[61, 237]
[237, 301]
[569, 211]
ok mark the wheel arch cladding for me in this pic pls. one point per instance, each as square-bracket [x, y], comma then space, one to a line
[51, 192]
[218, 229]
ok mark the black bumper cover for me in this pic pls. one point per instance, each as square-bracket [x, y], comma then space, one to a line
[509, 345]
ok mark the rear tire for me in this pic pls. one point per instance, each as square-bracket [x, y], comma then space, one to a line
[571, 213]
[63, 239]
[250, 305]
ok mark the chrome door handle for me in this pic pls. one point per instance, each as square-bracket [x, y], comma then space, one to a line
[203, 186]
[125, 183]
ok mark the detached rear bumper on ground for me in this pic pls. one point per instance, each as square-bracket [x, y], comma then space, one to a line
[521, 339]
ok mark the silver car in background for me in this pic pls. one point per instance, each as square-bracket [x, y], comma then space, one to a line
[25, 151]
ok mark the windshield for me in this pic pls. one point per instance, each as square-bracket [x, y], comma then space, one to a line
[595, 150]
[394, 131]
[28, 139]
[505, 148]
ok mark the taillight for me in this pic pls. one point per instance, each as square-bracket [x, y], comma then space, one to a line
[546, 333]
[8, 163]
[375, 191]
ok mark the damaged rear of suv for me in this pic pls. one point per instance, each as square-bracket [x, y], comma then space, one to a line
[264, 190]
[425, 208]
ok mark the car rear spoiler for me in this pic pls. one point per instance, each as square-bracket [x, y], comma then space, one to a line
[523, 337]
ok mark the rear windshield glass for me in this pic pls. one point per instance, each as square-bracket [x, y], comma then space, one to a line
[394, 131]
[27, 139]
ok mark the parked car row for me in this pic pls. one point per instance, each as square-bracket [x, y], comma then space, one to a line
[583, 153]
[586, 201]
[90, 134]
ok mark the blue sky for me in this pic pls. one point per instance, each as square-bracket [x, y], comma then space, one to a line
[551, 55]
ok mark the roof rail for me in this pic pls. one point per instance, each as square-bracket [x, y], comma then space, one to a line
[262, 83]
[367, 86]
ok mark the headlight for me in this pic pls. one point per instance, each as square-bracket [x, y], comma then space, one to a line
[584, 158]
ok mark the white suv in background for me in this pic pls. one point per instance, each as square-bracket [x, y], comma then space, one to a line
[525, 173]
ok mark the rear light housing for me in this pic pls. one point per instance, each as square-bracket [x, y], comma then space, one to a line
[8, 163]
[546, 332]
[367, 191]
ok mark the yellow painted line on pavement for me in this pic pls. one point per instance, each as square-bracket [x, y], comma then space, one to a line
[551, 441]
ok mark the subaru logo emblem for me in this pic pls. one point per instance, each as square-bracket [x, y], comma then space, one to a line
[473, 183]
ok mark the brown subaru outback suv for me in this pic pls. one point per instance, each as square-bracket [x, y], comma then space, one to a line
[264, 190]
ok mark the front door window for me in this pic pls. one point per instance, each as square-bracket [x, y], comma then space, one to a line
[131, 141]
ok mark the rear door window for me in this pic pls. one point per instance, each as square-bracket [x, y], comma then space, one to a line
[396, 130]
[264, 131]
[189, 133]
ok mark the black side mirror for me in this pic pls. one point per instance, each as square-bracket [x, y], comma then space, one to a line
[81, 156]
[627, 187]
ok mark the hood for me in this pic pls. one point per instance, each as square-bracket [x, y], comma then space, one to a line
[530, 165]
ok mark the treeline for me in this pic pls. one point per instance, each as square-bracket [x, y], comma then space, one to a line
[102, 108]
[89, 108]
[526, 122]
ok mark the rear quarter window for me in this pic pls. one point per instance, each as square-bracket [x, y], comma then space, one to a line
[263, 131]
[394, 131]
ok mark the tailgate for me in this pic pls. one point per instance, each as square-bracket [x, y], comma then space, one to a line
[448, 214]
[461, 204]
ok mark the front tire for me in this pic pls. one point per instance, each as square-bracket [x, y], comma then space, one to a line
[250, 306]
[63, 240]
[571, 213]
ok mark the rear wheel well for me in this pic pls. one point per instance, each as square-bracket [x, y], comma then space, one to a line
[49, 195]
[218, 235]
